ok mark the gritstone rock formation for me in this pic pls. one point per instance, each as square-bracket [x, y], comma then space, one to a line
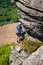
[36, 58]
[31, 16]
[17, 56]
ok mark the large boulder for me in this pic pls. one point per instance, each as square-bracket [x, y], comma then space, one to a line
[17, 56]
[35, 58]
[31, 16]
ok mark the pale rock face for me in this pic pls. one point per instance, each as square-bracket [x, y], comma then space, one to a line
[31, 15]
[22, 58]
[17, 56]
[36, 58]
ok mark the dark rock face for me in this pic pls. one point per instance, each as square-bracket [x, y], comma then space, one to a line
[31, 16]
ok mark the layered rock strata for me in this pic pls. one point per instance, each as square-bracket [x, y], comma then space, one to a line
[31, 16]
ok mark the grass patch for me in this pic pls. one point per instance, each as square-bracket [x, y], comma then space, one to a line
[4, 54]
[30, 46]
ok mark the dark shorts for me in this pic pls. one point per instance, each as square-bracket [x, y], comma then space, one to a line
[18, 34]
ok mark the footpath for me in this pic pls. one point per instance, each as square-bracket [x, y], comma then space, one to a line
[8, 33]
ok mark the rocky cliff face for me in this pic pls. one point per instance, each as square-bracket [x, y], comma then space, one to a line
[19, 57]
[31, 16]
[36, 58]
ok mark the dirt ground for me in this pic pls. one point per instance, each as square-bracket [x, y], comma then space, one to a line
[8, 33]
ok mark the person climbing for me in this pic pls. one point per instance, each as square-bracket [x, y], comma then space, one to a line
[18, 31]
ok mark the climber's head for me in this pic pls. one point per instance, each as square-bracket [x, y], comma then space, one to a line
[19, 23]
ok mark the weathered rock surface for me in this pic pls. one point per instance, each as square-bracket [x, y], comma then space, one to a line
[17, 56]
[28, 10]
[31, 15]
[35, 58]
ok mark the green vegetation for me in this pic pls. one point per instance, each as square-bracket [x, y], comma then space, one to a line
[8, 12]
[30, 46]
[4, 54]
